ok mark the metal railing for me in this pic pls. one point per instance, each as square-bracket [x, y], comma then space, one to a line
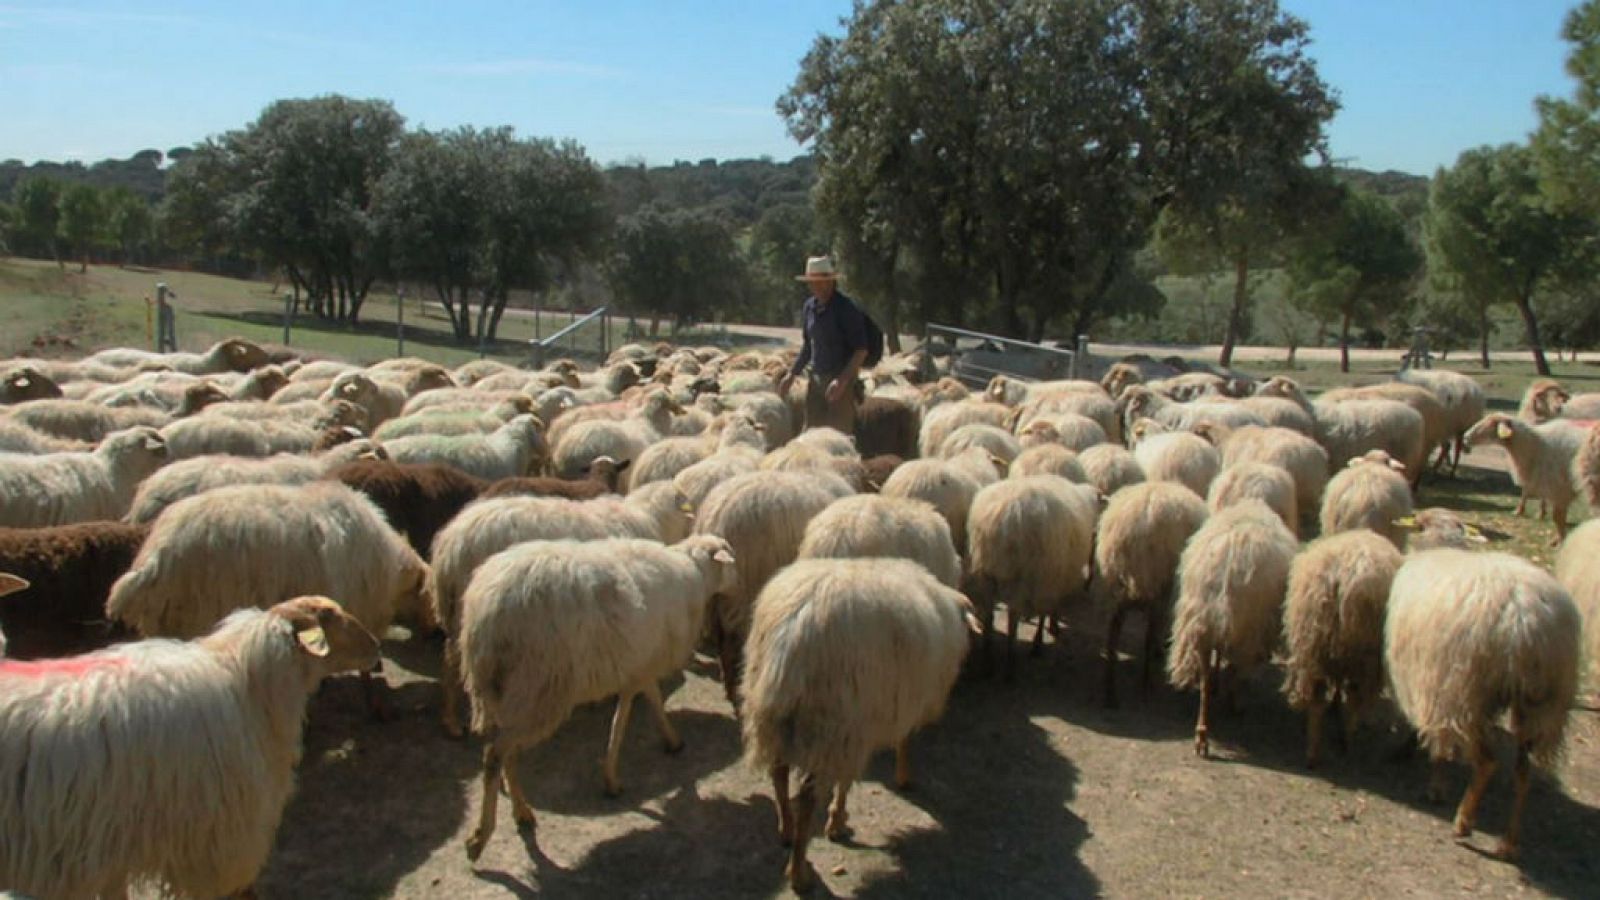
[976, 357]
[539, 348]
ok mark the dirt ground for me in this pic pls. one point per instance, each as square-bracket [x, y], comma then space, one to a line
[1022, 790]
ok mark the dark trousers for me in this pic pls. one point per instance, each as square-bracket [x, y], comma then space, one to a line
[840, 414]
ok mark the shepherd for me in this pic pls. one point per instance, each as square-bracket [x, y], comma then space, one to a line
[836, 344]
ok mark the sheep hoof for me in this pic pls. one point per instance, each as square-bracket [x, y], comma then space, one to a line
[1507, 851]
[1312, 762]
[1461, 830]
[838, 833]
[1202, 745]
[613, 788]
[475, 846]
[673, 747]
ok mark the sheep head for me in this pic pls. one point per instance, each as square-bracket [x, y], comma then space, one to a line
[1377, 458]
[1495, 428]
[326, 634]
[241, 355]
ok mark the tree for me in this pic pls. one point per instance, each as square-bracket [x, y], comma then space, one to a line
[1567, 142]
[197, 215]
[1493, 237]
[129, 223]
[82, 223]
[1010, 158]
[477, 213]
[38, 217]
[679, 264]
[1352, 262]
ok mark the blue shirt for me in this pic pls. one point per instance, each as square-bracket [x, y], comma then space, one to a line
[833, 334]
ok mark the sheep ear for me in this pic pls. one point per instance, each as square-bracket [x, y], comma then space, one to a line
[154, 443]
[312, 640]
[10, 584]
[352, 431]
[21, 381]
[1476, 536]
[723, 556]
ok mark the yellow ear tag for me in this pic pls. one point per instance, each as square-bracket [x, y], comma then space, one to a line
[685, 507]
[1504, 431]
[313, 640]
[1406, 521]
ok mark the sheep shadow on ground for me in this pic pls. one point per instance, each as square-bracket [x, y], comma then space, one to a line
[1559, 834]
[691, 846]
[348, 797]
[999, 790]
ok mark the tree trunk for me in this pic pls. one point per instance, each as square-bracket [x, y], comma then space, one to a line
[655, 323]
[1531, 323]
[1483, 335]
[501, 297]
[1344, 344]
[1241, 286]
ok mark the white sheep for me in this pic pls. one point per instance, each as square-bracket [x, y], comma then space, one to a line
[547, 626]
[763, 515]
[1257, 481]
[1301, 456]
[798, 456]
[188, 477]
[1371, 492]
[159, 761]
[1110, 468]
[207, 435]
[1029, 543]
[697, 481]
[938, 423]
[1075, 432]
[872, 525]
[10, 584]
[516, 449]
[1349, 429]
[1542, 458]
[948, 488]
[995, 441]
[79, 420]
[231, 355]
[1333, 629]
[1578, 570]
[1463, 400]
[844, 657]
[1139, 540]
[1140, 402]
[16, 437]
[1178, 456]
[577, 445]
[1470, 636]
[1048, 459]
[1231, 584]
[63, 488]
[269, 543]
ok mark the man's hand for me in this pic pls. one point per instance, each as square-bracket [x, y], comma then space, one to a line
[784, 383]
[835, 390]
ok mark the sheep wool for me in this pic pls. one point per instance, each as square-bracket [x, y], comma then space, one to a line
[1110, 468]
[844, 657]
[1468, 637]
[1578, 570]
[1257, 481]
[516, 448]
[877, 526]
[948, 488]
[1048, 459]
[206, 737]
[1231, 584]
[1181, 457]
[1333, 628]
[1369, 493]
[63, 488]
[547, 626]
[189, 477]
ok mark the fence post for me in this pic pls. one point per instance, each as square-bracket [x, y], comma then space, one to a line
[166, 326]
[288, 315]
[1080, 358]
[400, 321]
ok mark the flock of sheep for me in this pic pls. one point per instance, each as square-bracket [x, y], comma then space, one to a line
[173, 526]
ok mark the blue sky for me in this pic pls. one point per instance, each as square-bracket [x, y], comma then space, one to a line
[1421, 80]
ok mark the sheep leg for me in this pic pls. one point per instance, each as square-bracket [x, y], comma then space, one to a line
[1202, 725]
[1317, 707]
[1154, 627]
[780, 794]
[838, 827]
[1482, 769]
[521, 810]
[669, 735]
[377, 691]
[1524, 777]
[902, 764]
[1455, 464]
[728, 652]
[1559, 514]
[1012, 621]
[450, 684]
[1037, 650]
[1437, 779]
[805, 808]
[619, 728]
[491, 800]
[1113, 636]
[1522, 505]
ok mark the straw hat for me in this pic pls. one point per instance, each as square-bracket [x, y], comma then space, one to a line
[818, 268]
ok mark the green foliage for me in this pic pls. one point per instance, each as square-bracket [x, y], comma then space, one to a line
[1009, 159]
[1567, 143]
[130, 224]
[1353, 263]
[678, 264]
[82, 223]
[1493, 237]
[38, 217]
[480, 212]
